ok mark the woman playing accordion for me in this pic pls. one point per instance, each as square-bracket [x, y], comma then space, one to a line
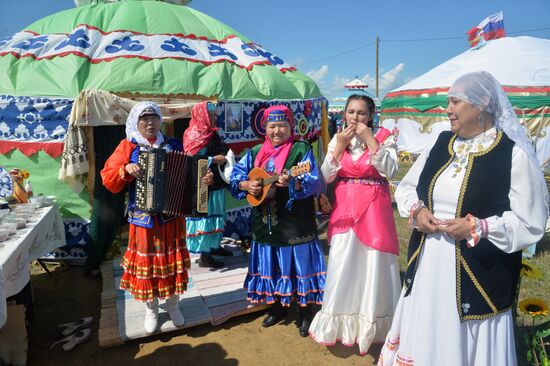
[156, 260]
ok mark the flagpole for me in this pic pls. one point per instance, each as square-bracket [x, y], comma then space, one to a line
[377, 42]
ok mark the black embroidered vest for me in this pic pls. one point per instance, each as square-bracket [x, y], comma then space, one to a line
[288, 227]
[486, 277]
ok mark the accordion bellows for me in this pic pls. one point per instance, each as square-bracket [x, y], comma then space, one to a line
[171, 183]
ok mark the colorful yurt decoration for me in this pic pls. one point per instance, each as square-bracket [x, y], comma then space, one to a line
[356, 84]
[68, 81]
[520, 64]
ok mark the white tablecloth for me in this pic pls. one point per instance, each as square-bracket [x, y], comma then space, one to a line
[39, 237]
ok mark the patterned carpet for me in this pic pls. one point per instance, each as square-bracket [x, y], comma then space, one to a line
[213, 296]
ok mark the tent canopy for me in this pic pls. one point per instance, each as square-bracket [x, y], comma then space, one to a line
[520, 64]
[125, 51]
[133, 46]
[513, 61]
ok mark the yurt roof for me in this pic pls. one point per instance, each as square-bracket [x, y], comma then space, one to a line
[514, 61]
[146, 47]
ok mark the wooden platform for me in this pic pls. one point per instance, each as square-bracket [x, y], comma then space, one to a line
[213, 296]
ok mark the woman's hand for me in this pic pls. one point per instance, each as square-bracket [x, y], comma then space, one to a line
[324, 204]
[343, 138]
[251, 186]
[364, 131]
[134, 170]
[426, 221]
[458, 229]
[208, 179]
[283, 180]
[219, 159]
[342, 141]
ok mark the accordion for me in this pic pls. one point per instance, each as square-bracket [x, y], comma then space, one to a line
[171, 183]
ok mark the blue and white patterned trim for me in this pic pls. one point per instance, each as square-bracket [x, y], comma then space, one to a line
[34, 119]
[98, 46]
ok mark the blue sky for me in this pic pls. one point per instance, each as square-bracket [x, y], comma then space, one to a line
[312, 33]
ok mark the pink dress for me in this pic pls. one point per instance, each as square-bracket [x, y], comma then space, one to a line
[362, 283]
[363, 203]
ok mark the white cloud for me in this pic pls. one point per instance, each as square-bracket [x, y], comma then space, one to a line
[318, 75]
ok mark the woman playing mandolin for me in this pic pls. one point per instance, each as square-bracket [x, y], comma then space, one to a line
[286, 258]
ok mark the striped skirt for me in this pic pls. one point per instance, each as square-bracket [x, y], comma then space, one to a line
[156, 261]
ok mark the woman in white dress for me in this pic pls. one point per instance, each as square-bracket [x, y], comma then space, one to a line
[362, 285]
[476, 197]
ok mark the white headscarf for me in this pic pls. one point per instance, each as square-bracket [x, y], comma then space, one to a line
[132, 132]
[483, 91]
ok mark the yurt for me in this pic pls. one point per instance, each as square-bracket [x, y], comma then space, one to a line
[68, 81]
[520, 64]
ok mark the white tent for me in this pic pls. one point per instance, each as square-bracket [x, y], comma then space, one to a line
[520, 64]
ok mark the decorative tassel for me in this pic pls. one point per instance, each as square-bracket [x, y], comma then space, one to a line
[291, 192]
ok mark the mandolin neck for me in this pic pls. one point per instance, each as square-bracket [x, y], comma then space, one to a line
[270, 180]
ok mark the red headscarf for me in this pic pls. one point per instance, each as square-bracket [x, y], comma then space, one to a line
[199, 132]
[279, 153]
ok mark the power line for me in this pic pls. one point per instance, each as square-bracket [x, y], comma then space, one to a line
[452, 38]
[338, 54]
[409, 40]
[421, 39]
[530, 30]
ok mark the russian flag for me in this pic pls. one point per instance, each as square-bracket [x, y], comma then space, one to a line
[491, 27]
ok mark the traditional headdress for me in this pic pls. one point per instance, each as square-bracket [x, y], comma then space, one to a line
[277, 154]
[139, 110]
[200, 131]
[483, 91]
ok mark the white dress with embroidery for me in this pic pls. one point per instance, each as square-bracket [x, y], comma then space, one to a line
[363, 283]
[426, 328]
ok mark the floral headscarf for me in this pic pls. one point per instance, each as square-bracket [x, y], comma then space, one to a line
[200, 132]
[132, 132]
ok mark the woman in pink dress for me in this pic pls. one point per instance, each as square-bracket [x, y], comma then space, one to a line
[363, 284]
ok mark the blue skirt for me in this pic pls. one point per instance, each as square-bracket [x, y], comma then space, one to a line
[284, 272]
[205, 233]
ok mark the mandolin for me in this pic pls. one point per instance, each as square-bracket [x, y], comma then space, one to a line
[266, 181]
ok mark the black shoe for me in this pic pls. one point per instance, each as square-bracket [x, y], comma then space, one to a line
[206, 260]
[305, 316]
[276, 314]
[222, 252]
[304, 328]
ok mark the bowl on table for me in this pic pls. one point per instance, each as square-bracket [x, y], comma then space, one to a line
[4, 234]
[10, 227]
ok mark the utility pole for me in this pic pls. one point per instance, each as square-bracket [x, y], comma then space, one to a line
[377, 42]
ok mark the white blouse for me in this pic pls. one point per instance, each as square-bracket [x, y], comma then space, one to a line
[384, 160]
[516, 229]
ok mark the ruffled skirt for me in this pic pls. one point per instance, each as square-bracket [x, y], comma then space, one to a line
[361, 294]
[156, 261]
[205, 233]
[285, 272]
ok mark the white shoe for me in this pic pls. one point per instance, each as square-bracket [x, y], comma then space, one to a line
[73, 340]
[151, 315]
[174, 311]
